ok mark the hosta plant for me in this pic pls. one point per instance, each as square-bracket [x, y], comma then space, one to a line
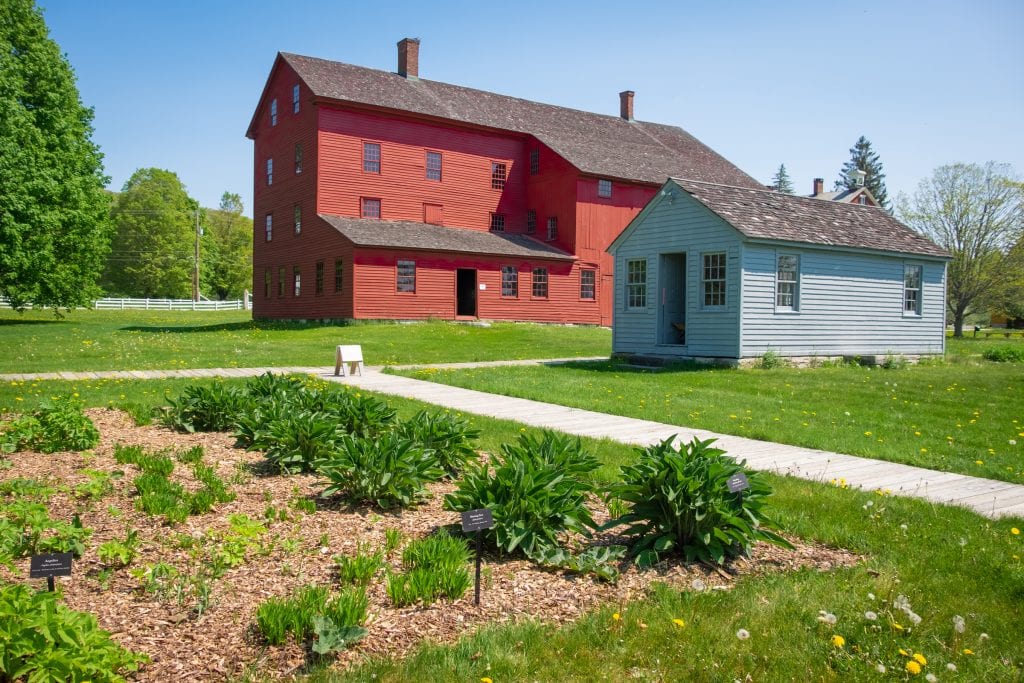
[536, 490]
[678, 501]
[449, 436]
[206, 408]
[296, 440]
[388, 471]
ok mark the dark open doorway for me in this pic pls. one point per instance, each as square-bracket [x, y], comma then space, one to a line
[672, 299]
[465, 292]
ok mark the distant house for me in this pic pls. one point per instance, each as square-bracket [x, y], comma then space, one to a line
[722, 272]
[858, 195]
[386, 195]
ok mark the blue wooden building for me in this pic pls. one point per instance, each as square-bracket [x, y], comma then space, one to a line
[710, 271]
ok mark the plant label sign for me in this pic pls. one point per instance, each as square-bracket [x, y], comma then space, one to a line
[477, 520]
[46, 566]
[738, 482]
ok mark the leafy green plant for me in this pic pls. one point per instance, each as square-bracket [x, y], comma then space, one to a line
[190, 456]
[388, 471]
[536, 490]
[206, 408]
[338, 623]
[392, 539]
[213, 486]
[27, 529]
[97, 485]
[58, 424]
[119, 553]
[437, 550]
[1005, 354]
[450, 437]
[297, 440]
[22, 488]
[435, 567]
[360, 568]
[679, 501]
[42, 640]
[358, 414]
[159, 496]
[770, 360]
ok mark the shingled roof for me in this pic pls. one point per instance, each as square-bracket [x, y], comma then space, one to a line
[769, 215]
[364, 232]
[595, 144]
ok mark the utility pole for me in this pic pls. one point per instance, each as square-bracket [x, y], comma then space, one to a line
[195, 262]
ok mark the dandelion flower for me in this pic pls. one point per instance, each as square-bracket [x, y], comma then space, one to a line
[838, 640]
[919, 658]
[914, 618]
[826, 617]
[743, 634]
[904, 652]
[870, 616]
[1015, 531]
[958, 624]
[679, 622]
[486, 679]
[897, 626]
[871, 596]
[616, 616]
[968, 651]
[913, 667]
[979, 462]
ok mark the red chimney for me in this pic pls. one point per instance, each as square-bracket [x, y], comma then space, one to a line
[626, 104]
[819, 185]
[409, 57]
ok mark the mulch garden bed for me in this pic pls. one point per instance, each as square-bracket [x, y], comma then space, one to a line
[223, 640]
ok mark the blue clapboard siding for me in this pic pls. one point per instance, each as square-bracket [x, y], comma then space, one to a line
[682, 225]
[849, 303]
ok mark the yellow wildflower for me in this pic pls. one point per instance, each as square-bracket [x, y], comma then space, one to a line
[486, 679]
[1015, 531]
[968, 651]
[679, 622]
[904, 652]
[979, 462]
[897, 626]
[838, 640]
[919, 658]
[616, 616]
[913, 667]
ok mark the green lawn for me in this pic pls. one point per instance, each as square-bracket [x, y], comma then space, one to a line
[135, 340]
[963, 417]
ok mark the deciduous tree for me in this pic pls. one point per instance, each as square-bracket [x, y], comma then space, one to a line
[54, 227]
[976, 213]
[227, 259]
[864, 158]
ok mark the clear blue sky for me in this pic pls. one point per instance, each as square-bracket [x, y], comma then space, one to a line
[174, 84]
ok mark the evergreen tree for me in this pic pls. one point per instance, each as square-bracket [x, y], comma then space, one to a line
[227, 255]
[54, 226]
[864, 158]
[154, 245]
[781, 180]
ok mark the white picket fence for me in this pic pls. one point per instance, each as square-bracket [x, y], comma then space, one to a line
[116, 303]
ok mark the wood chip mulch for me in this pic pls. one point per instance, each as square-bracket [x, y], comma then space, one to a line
[222, 641]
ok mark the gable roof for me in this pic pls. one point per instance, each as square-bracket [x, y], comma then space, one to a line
[846, 195]
[768, 215]
[367, 232]
[594, 143]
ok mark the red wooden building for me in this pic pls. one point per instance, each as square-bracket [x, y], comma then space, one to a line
[384, 195]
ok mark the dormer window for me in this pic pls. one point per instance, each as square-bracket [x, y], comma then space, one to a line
[273, 112]
[295, 98]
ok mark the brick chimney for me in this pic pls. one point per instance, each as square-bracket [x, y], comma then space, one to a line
[409, 58]
[626, 104]
[819, 185]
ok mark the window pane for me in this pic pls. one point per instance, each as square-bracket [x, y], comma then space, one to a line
[298, 218]
[270, 171]
[540, 283]
[266, 283]
[587, 280]
[270, 227]
[552, 227]
[604, 188]
[636, 283]
[912, 289]
[319, 277]
[280, 281]
[406, 276]
[370, 208]
[534, 161]
[273, 112]
[298, 280]
[509, 281]
[433, 166]
[338, 274]
[295, 98]
[498, 175]
[786, 280]
[531, 222]
[298, 158]
[714, 279]
[371, 157]
[498, 222]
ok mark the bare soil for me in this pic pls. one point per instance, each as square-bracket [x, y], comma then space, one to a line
[222, 641]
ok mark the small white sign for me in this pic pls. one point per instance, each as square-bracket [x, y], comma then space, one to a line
[483, 287]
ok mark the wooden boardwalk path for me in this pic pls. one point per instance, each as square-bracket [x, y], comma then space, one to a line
[985, 496]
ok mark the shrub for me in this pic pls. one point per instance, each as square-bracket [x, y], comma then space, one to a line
[57, 425]
[770, 360]
[1005, 354]
[296, 440]
[388, 471]
[210, 408]
[536, 491]
[679, 501]
[42, 640]
[450, 438]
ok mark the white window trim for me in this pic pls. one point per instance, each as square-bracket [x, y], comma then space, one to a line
[920, 291]
[725, 282]
[630, 285]
[795, 308]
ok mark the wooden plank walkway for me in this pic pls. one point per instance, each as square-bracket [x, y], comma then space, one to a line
[985, 496]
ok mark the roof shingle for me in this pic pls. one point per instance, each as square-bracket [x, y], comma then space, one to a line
[765, 214]
[364, 232]
[594, 143]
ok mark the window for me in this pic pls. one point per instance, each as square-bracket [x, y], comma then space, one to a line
[434, 166]
[433, 214]
[266, 283]
[295, 98]
[298, 218]
[297, 277]
[713, 280]
[862, 199]
[339, 271]
[509, 281]
[912, 290]
[406, 276]
[604, 188]
[369, 208]
[540, 283]
[499, 175]
[787, 276]
[636, 283]
[273, 112]
[270, 227]
[498, 222]
[534, 161]
[270, 171]
[371, 157]
[298, 159]
[319, 278]
[280, 281]
[588, 279]
[552, 227]
[531, 222]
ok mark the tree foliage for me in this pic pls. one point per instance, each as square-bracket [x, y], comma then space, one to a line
[975, 212]
[227, 250]
[1008, 293]
[781, 181]
[864, 158]
[54, 228]
[154, 243]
